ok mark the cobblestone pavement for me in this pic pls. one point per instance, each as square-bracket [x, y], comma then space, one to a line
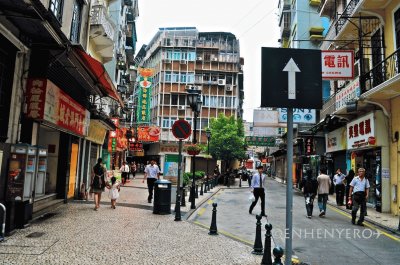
[131, 234]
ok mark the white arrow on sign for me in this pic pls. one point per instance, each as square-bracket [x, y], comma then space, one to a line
[291, 68]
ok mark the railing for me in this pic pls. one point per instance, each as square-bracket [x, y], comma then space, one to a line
[99, 17]
[329, 106]
[348, 11]
[383, 71]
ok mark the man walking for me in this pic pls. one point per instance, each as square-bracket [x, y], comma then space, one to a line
[359, 188]
[324, 183]
[257, 186]
[310, 186]
[338, 181]
[124, 172]
[151, 173]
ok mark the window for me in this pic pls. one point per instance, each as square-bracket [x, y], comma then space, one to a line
[174, 99]
[76, 21]
[168, 77]
[204, 123]
[397, 27]
[167, 99]
[220, 102]
[165, 122]
[182, 100]
[56, 7]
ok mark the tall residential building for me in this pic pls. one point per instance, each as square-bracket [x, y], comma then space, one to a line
[184, 58]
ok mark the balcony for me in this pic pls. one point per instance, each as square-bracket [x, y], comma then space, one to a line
[383, 80]
[328, 107]
[102, 31]
[285, 24]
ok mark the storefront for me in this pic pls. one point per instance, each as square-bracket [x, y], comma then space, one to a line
[368, 147]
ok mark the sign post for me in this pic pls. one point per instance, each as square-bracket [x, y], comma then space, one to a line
[291, 78]
[181, 129]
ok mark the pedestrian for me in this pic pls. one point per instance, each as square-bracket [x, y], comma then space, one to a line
[133, 169]
[310, 187]
[348, 180]
[324, 183]
[151, 173]
[124, 172]
[113, 194]
[258, 189]
[359, 190]
[98, 182]
[338, 181]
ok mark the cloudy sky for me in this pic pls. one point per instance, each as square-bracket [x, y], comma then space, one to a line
[254, 22]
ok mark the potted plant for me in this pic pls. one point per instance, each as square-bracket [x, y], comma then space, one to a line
[193, 149]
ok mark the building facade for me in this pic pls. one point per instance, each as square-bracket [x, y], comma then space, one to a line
[366, 120]
[53, 82]
[184, 58]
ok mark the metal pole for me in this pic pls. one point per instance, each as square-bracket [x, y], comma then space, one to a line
[289, 188]
[3, 226]
[178, 186]
[208, 158]
[193, 190]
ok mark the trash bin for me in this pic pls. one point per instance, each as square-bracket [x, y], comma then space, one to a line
[162, 197]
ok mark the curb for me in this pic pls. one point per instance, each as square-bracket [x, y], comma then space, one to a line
[204, 200]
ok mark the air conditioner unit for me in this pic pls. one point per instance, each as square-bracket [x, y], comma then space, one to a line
[221, 82]
[214, 59]
[229, 88]
[183, 62]
[167, 60]
[341, 84]
[181, 107]
[199, 87]
[189, 87]
[199, 58]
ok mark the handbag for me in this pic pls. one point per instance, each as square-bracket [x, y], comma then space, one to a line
[252, 198]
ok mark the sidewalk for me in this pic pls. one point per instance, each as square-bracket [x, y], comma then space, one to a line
[131, 234]
[383, 220]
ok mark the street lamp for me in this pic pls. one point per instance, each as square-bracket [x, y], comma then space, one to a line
[194, 101]
[208, 134]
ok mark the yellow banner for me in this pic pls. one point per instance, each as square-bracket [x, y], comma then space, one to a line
[97, 132]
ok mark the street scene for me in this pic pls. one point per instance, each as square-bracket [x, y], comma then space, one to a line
[199, 132]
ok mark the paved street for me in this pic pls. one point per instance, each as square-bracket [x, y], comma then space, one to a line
[130, 234]
[329, 240]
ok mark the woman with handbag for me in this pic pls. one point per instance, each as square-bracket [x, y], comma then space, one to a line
[98, 182]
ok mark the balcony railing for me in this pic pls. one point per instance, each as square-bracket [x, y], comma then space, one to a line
[383, 71]
[99, 17]
[344, 17]
[329, 106]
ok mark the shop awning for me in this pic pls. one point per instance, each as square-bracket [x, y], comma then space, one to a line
[101, 74]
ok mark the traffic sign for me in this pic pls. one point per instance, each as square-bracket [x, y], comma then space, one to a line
[181, 129]
[291, 78]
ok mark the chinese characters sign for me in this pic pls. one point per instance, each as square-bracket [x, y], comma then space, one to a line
[351, 91]
[361, 132]
[337, 64]
[48, 102]
[260, 141]
[143, 108]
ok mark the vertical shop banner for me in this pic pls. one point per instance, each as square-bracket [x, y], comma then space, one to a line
[145, 84]
[48, 102]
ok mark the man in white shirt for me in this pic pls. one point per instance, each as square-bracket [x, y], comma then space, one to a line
[258, 189]
[338, 181]
[359, 188]
[124, 172]
[151, 173]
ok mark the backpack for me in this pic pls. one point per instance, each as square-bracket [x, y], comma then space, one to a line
[98, 173]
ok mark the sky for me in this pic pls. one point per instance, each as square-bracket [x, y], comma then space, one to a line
[254, 23]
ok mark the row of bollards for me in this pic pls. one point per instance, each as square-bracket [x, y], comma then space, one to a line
[258, 247]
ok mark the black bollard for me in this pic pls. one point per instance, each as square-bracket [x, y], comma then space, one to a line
[196, 194]
[190, 194]
[206, 186]
[183, 202]
[228, 184]
[178, 207]
[201, 188]
[213, 226]
[267, 258]
[258, 247]
[240, 181]
[278, 253]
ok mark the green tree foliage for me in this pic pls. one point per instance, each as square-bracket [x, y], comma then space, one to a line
[227, 138]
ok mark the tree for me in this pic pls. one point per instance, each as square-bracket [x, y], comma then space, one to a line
[227, 140]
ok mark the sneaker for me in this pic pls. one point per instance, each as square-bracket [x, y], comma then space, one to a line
[322, 213]
[309, 216]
